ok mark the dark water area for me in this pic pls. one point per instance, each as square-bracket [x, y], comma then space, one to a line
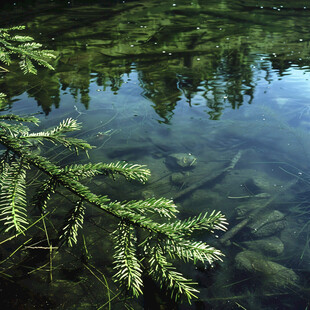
[197, 80]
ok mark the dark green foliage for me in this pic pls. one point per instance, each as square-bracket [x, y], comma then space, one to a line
[56, 135]
[13, 196]
[127, 265]
[133, 171]
[167, 276]
[24, 47]
[73, 222]
[164, 238]
[43, 194]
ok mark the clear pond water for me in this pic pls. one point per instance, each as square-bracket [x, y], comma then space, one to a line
[206, 79]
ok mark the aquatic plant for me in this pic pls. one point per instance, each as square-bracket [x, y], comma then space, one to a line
[136, 254]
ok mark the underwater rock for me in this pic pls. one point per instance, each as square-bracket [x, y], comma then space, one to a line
[181, 161]
[268, 224]
[177, 178]
[260, 183]
[271, 246]
[244, 209]
[272, 274]
[147, 194]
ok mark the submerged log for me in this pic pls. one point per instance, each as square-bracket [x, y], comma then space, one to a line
[209, 179]
[232, 232]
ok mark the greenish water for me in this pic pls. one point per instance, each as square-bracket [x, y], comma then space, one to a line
[148, 79]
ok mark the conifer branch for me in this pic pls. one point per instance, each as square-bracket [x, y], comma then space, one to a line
[13, 117]
[102, 202]
[23, 47]
[2, 96]
[56, 135]
[14, 130]
[73, 222]
[129, 171]
[189, 250]
[43, 194]
[216, 220]
[163, 238]
[161, 206]
[13, 197]
[127, 265]
[165, 274]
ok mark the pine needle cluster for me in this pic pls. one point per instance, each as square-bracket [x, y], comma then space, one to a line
[24, 48]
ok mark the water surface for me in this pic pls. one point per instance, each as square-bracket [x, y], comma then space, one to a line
[148, 79]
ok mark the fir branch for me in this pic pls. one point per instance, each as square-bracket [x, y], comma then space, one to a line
[66, 125]
[161, 206]
[74, 221]
[216, 220]
[129, 171]
[23, 47]
[166, 275]
[5, 158]
[134, 212]
[13, 197]
[82, 191]
[57, 135]
[43, 194]
[13, 117]
[80, 171]
[163, 238]
[127, 265]
[14, 130]
[2, 96]
[189, 250]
